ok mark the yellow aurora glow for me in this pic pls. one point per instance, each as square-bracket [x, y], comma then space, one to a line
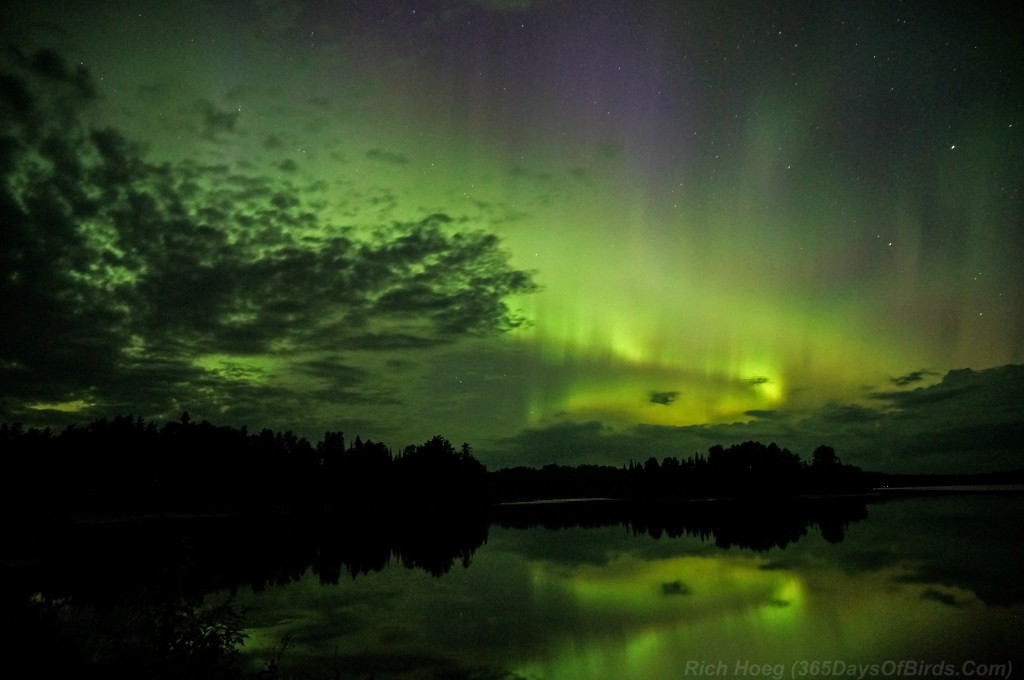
[696, 616]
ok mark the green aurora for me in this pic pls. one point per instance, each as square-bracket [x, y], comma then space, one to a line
[563, 232]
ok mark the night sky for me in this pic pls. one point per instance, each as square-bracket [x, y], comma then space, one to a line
[561, 231]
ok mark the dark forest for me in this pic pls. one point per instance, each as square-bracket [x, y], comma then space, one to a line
[129, 465]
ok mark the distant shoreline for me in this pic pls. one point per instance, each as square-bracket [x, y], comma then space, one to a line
[877, 492]
[953, 489]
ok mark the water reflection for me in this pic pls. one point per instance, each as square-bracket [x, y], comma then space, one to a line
[613, 590]
[922, 580]
[631, 619]
[755, 524]
[230, 553]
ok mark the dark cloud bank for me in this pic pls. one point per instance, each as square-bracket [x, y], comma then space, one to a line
[970, 421]
[118, 273]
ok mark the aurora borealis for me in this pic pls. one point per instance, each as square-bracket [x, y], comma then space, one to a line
[563, 232]
[602, 602]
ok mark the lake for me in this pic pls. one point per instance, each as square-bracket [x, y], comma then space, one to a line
[930, 583]
[920, 586]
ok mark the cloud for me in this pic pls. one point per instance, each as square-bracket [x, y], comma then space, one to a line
[953, 385]
[910, 378]
[676, 587]
[970, 421]
[216, 122]
[389, 341]
[140, 286]
[50, 64]
[848, 413]
[564, 443]
[665, 398]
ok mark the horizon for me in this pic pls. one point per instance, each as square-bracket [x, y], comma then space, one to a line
[560, 233]
[355, 442]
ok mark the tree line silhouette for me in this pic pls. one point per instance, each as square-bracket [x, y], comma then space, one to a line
[129, 465]
[749, 469]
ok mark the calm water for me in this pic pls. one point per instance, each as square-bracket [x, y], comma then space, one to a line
[918, 587]
[905, 587]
